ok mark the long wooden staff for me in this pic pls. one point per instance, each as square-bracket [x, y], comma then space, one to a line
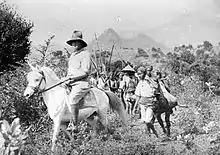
[109, 63]
[101, 62]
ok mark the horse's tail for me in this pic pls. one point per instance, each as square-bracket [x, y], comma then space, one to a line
[117, 105]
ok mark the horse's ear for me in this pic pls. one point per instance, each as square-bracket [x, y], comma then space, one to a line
[31, 66]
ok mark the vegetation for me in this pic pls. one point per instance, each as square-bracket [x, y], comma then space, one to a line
[13, 137]
[187, 83]
[14, 38]
[188, 70]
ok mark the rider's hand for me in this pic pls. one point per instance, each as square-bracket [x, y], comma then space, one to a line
[66, 79]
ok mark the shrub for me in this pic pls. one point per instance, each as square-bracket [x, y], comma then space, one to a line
[14, 39]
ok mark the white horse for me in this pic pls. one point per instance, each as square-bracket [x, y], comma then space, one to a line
[93, 106]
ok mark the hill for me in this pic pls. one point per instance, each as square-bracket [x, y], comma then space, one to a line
[125, 49]
[109, 37]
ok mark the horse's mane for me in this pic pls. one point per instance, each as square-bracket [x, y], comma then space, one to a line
[50, 75]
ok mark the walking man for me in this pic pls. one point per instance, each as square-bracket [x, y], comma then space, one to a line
[145, 97]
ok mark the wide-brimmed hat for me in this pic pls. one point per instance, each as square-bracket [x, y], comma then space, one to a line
[77, 36]
[128, 68]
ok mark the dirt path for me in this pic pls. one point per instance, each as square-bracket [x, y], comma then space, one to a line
[187, 144]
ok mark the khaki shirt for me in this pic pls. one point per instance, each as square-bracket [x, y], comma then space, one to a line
[144, 89]
[79, 63]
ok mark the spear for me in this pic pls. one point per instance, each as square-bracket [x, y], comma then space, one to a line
[109, 63]
[101, 62]
[95, 66]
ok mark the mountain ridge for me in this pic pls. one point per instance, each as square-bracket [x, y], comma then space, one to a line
[110, 37]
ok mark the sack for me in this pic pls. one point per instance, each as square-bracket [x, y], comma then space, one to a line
[172, 100]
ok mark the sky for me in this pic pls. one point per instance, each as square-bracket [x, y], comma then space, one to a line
[127, 17]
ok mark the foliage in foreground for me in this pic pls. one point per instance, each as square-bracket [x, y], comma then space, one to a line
[13, 137]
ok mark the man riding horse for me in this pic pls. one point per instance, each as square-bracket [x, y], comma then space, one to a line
[78, 71]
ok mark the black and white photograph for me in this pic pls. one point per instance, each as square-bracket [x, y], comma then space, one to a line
[109, 77]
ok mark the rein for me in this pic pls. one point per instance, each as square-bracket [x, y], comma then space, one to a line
[44, 90]
[59, 83]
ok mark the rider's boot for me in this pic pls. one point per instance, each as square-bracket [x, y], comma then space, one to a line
[73, 125]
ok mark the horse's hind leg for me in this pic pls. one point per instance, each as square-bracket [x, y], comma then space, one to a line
[160, 121]
[104, 120]
[167, 120]
[93, 121]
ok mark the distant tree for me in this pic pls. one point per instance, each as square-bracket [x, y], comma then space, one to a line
[156, 55]
[154, 49]
[190, 46]
[58, 62]
[44, 51]
[187, 56]
[207, 45]
[14, 38]
[142, 53]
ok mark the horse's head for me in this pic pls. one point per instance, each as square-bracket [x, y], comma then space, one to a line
[36, 81]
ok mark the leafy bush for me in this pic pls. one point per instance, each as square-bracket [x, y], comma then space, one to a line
[13, 137]
[14, 39]
[199, 112]
[142, 53]
[13, 104]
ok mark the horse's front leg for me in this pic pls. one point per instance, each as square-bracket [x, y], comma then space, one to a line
[56, 129]
[167, 120]
[93, 121]
[160, 121]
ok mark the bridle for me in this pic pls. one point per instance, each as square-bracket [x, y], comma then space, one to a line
[37, 88]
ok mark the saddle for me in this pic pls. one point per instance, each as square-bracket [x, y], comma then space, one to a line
[89, 100]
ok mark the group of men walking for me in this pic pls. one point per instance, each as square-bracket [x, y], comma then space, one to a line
[139, 83]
